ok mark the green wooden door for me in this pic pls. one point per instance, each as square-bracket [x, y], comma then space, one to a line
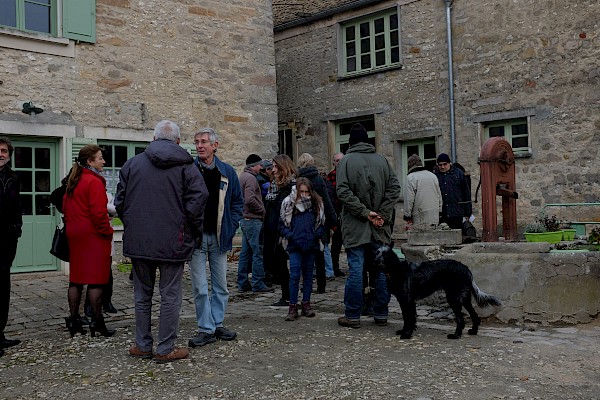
[36, 164]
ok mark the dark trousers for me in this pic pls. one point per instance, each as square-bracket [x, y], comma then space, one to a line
[275, 260]
[7, 256]
[320, 267]
[336, 247]
[144, 278]
[453, 222]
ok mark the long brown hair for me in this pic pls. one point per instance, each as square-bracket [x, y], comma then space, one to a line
[286, 170]
[316, 199]
[87, 152]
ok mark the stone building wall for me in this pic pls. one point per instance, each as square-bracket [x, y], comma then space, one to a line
[537, 58]
[198, 63]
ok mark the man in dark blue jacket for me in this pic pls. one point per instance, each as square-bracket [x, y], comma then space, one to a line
[10, 231]
[456, 194]
[224, 210]
[161, 198]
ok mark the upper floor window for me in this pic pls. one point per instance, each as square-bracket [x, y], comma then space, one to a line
[29, 15]
[73, 19]
[370, 43]
[515, 131]
[342, 132]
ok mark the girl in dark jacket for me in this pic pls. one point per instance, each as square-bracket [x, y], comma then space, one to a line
[307, 169]
[302, 223]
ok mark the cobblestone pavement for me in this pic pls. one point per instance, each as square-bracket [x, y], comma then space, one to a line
[274, 359]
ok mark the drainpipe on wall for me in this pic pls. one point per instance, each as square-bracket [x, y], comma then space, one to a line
[450, 79]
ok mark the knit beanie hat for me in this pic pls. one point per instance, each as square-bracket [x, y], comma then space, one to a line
[358, 134]
[443, 157]
[253, 160]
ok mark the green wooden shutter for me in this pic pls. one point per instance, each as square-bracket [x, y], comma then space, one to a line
[79, 20]
[75, 144]
[190, 148]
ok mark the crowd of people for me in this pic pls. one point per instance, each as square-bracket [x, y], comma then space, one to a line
[176, 208]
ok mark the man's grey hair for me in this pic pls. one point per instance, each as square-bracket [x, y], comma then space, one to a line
[212, 135]
[166, 129]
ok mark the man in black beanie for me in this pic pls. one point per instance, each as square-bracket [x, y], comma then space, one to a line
[358, 134]
[456, 193]
[368, 189]
[251, 258]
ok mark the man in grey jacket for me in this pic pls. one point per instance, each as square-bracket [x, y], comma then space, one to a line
[161, 198]
[251, 258]
[422, 196]
[368, 190]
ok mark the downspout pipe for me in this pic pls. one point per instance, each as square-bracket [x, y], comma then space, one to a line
[450, 79]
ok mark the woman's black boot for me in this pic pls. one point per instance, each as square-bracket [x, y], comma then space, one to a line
[100, 328]
[74, 325]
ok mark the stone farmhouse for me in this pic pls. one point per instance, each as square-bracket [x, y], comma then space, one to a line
[106, 71]
[524, 70]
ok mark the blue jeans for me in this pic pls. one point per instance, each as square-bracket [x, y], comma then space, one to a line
[251, 256]
[301, 262]
[144, 277]
[353, 294]
[328, 261]
[210, 310]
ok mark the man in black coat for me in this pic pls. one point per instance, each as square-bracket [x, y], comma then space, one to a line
[160, 198]
[11, 222]
[456, 193]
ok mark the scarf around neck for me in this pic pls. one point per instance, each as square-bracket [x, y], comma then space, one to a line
[301, 204]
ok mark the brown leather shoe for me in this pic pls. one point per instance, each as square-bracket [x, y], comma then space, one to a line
[349, 323]
[135, 351]
[178, 353]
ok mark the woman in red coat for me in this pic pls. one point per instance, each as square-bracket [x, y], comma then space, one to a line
[90, 235]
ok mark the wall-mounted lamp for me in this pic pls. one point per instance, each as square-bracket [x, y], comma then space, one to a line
[29, 108]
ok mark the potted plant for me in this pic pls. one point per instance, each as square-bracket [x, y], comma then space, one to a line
[568, 231]
[594, 237]
[544, 229]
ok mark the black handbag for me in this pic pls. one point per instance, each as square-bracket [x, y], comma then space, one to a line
[60, 244]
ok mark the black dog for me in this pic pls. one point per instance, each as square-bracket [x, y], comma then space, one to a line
[409, 282]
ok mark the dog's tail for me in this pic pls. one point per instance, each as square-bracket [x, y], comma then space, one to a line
[483, 299]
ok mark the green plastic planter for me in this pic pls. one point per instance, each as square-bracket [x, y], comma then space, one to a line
[568, 234]
[550, 237]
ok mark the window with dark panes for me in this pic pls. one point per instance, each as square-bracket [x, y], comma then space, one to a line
[115, 155]
[32, 165]
[77, 17]
[424, 148]
[370, 43]
[286, 144]
[342, 131]
[515, 131]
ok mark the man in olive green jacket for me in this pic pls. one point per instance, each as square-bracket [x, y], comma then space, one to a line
[368, 190]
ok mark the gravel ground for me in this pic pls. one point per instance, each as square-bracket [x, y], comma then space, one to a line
[310, 359]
